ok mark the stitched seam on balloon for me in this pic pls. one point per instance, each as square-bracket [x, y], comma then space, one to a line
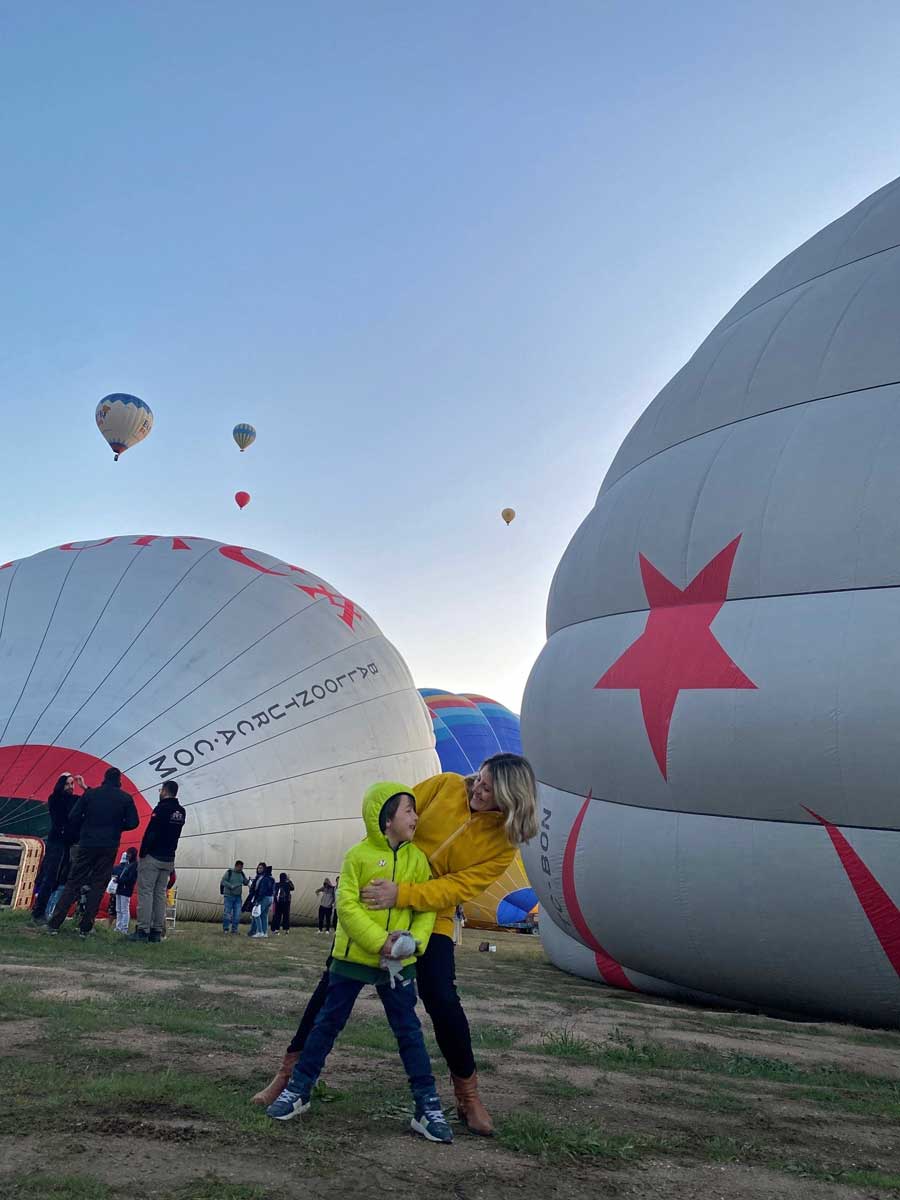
[26, 740]
[692, 812]
[172, 656]
[40, 647]
[812, 279]
[872, 387]
[627, 612]
[195, 563]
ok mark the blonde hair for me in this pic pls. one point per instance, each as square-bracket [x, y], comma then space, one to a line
[515, 792]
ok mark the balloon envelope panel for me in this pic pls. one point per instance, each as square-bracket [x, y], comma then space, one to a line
[270, 697]
[721, 675]
[468, 729]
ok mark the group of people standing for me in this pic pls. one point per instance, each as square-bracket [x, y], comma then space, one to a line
[80, 856]
[428, 849]
[264, 896]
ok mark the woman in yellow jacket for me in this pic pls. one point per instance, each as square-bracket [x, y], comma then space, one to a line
[469, 841]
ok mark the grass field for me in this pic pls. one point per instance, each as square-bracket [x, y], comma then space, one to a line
[126, 1072]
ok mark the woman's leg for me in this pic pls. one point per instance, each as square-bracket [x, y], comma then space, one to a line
[323, 918]
[123, 913]
[436, 979]
[264, 919]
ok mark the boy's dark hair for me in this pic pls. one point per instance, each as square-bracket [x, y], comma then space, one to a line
[239, 862]
[389, 809]
[170, 787]
[113, 775]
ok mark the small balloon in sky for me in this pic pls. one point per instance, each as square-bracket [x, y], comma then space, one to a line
[123, 420]
[242, 499]
[244, 435]
[508, 514]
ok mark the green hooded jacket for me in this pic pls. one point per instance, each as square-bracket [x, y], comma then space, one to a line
[362, 932]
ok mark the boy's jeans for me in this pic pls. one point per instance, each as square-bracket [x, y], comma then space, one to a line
[232, 913]
[400, 1008]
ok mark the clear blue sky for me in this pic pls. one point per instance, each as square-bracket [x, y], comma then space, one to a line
[441, 255]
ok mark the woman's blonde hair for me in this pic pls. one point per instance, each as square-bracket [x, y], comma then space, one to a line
[515, 792]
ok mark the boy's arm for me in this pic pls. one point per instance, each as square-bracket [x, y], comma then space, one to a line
[355, 918]
[434, 895]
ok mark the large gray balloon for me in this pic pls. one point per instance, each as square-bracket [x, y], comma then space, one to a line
[722, 675]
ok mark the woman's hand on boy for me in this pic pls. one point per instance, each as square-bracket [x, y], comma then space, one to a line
[380, 893]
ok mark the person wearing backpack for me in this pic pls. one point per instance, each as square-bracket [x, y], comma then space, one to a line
[231, 885]
[281, 909]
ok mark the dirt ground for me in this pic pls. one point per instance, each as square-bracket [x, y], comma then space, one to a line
[126, 1071]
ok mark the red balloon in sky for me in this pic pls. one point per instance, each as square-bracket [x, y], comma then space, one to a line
[242, 499]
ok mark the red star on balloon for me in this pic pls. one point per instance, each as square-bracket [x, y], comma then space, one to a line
[677, 650]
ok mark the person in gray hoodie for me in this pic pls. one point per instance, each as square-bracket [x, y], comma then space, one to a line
[230, 887]
[96, 823]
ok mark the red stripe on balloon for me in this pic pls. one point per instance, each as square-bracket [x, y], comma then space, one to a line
[882, 913]
[611, 971]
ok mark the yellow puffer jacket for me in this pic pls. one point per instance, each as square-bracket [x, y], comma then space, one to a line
[467, 850]
[362, 932]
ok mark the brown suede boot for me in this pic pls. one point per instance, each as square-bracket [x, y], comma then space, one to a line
[472, 1112]
[270, 1094]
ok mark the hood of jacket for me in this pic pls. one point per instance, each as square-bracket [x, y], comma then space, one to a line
[373, 802]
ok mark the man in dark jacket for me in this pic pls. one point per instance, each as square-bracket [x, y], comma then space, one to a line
[99, 816]
[157, 860]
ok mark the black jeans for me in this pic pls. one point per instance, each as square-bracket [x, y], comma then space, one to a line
[56, 857]
[91, 866]
[400, 1009]
[436, 980]
[324, 918]
[281, 916]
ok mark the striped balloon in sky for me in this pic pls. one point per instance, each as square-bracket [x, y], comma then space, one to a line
[714, 717]
[123, 421]
[467, 730]
[270, 697]
[244, 435]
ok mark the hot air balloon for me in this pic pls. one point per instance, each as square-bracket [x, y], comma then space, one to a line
[123, 420]
[274, 706]
[508, 514]
[244, 435]
[242, 499]
[467, 730]
[714, 716]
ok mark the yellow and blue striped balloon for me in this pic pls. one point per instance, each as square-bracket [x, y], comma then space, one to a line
[244, 435]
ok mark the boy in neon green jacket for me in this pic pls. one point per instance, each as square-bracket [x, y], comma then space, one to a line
[369, 947]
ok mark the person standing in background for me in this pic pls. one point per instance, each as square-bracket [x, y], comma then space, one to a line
[157, 861]
[326, 904]
[56, 845]
[265, 890]
[231, 886]
[100, 816]
[281, 907]
[126, 878]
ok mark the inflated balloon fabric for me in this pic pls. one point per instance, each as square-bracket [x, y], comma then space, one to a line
[270, 697]
[467, 730]
[714, 717]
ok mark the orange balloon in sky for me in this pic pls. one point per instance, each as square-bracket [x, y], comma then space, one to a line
[242, 499]
[508, 514]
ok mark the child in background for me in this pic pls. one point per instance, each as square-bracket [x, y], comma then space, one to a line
[363, 950]
[126, 878]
